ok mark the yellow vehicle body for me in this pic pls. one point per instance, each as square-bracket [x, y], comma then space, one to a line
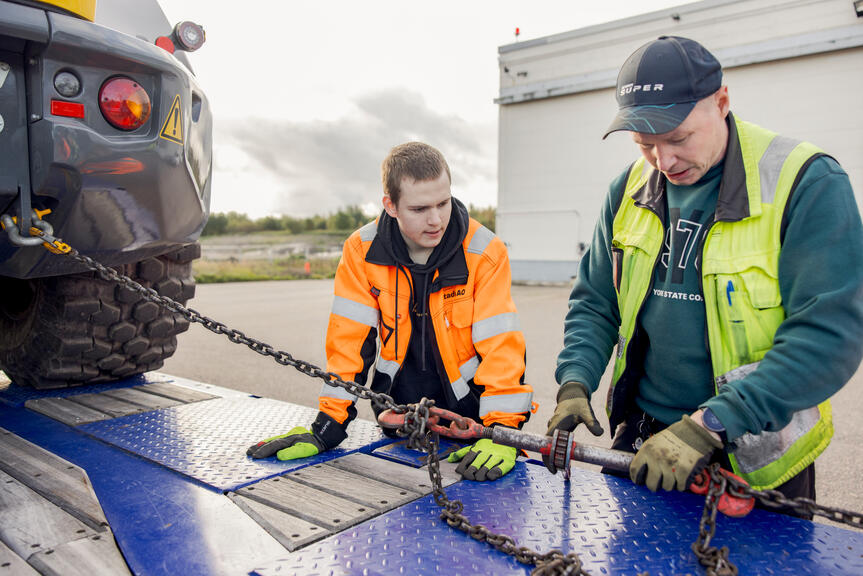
[84, 8]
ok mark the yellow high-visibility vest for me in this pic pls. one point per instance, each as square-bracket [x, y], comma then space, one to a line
[741, 249]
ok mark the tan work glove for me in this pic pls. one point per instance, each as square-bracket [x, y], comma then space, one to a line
[573, 408]
[672, 458]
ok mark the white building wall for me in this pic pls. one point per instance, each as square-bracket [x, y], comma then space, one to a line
[794, 66]
[817, 98]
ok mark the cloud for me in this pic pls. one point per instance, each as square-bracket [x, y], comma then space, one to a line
[319, 166]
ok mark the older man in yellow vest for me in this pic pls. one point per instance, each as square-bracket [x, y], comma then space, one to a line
[726, 269]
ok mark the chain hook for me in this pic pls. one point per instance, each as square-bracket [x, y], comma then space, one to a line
[41, 233]
[10, 225]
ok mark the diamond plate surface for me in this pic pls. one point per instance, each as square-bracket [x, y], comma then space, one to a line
[399, 452]
[614, 526]
[208, 440]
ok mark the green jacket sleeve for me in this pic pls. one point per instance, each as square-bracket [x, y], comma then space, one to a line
[591, 325]
[818, 346]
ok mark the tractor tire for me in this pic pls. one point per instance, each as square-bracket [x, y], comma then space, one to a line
[79, 329]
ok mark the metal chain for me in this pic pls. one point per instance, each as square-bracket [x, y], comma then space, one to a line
[773, 499]
[551, 563]
[555, 562]
[715, 560]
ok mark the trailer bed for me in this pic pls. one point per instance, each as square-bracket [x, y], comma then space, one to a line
[149, 475]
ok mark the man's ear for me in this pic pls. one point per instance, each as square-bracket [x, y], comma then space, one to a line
[390, 206]
[723, 101]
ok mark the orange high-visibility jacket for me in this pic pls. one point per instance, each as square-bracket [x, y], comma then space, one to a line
[474, 319]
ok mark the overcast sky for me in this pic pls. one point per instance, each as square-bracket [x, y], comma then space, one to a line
[309, 95]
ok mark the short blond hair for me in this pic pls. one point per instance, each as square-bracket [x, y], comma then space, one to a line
[414, 160]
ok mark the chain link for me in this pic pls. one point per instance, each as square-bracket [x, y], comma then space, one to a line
[553, 563]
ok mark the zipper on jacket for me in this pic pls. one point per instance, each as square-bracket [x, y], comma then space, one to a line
[703, 245]
[632, 338]
[400, 268]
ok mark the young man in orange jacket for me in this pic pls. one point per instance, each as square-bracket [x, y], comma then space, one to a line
[422, 294]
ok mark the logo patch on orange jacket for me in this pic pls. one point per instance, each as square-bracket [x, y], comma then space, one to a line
[454, 293]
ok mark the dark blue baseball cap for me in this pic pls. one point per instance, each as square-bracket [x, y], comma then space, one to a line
[660, 83]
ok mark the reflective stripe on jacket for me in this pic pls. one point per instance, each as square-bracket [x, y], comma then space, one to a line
[474, 319]
[741, 249]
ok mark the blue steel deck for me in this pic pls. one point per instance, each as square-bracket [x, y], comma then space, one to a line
[164, 523]
[614, 526]
[160, 477]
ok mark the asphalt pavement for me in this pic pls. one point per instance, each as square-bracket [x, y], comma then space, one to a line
[292, 317]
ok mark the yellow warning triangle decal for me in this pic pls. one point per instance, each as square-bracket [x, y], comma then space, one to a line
[172, 129]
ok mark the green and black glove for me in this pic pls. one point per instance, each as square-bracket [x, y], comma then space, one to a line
[573, 408]
[299, 442]
[485, 460]
[672, 458]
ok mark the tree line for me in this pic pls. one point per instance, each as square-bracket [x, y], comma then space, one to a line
[345, 220]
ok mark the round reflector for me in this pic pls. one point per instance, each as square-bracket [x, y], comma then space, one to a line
[124, 103]
[165, 43]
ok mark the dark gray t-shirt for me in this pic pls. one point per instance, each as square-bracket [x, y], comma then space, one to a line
[677, 375]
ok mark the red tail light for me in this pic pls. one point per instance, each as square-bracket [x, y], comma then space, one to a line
[124, 103]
